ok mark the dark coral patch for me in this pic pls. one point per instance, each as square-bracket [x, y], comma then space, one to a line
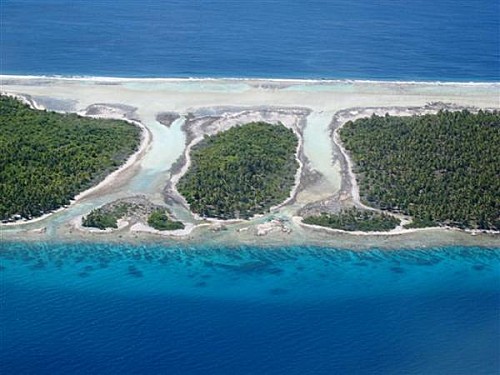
[135, 272]
[397, 270]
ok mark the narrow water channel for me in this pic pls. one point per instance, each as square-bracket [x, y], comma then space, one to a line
[318, 147]
[167, 146]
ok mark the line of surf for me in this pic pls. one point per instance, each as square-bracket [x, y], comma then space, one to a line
[247, 79]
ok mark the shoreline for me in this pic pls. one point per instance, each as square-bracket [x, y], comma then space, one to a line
[149, 238]
[353, 114]
[221, 122]
[134, 158]
[111, 79]
[204, 107]
[323, 238]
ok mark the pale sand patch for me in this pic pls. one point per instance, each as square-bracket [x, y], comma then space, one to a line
[188, 228]
[272, 226]
[179, 95]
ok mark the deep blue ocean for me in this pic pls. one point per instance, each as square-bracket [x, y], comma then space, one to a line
[122, 309]
[445, 40]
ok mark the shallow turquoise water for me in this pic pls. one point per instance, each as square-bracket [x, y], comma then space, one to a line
[148, 309]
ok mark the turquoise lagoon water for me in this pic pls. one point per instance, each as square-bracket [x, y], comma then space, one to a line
[103, 308]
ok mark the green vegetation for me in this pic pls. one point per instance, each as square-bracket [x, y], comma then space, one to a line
[241, 172]
[100, 219]
[135, 209]
[441, 169]
[354, 219]
[420, 223]
[105, 218]
[159, 220]
[47, 158]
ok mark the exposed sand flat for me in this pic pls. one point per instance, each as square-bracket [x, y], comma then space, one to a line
[235, 101]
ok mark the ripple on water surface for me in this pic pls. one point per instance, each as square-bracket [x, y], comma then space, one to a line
[103, 307]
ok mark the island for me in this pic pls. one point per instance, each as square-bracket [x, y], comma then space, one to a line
[320, 163]
[241, 172]
[441, 169]
[48, 158]
[122, 212]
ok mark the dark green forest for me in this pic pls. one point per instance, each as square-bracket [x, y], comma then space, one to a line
[354, 219]
[102, 218]
[108, 216]
[241, 172]
[441, 169]
[47, 158]
[159, 220]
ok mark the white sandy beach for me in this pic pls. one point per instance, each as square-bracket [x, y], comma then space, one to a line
[234, 101]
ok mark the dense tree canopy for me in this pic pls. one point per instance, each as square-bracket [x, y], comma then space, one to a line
[160, 220]
[354, 219]
[106, 217]
[47, 158]
[242, 171]
[440, 169]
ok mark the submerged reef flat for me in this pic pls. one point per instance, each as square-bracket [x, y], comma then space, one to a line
[177, 116]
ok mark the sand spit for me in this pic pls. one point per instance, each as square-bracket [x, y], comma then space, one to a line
[210, 106]
[122, 113]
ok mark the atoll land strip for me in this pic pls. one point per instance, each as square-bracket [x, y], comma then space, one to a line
[174, 120]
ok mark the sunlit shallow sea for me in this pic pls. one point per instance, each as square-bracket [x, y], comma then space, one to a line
[101, 308]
